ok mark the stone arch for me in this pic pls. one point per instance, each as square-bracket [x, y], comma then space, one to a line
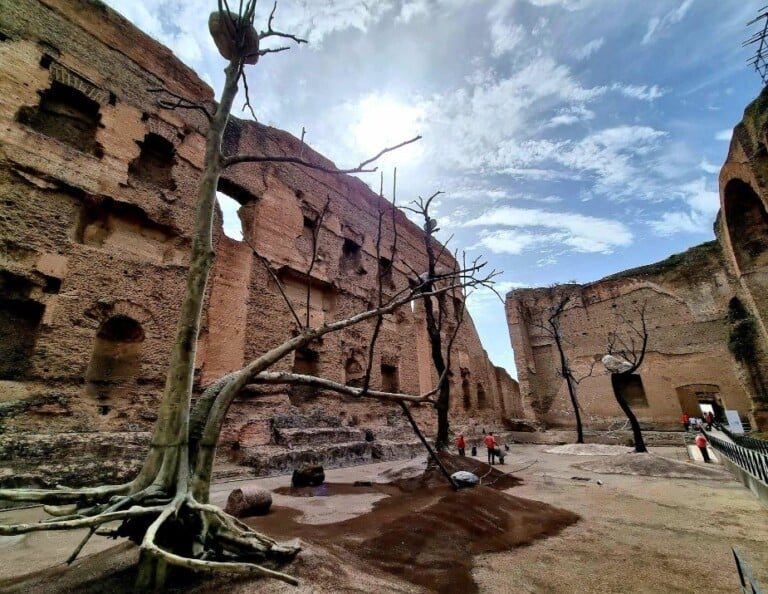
[746, 222]
[69, 110]
[104, 310]
[481, 398]
[116, 359]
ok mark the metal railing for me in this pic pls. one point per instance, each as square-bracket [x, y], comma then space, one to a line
[759, 445]
[752, 461]
[749, 584]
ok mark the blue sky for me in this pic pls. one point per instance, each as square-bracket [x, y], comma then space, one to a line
[572, 138]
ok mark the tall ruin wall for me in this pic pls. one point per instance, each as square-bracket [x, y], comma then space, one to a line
[707, 310]
[98, 185]
[685, 301]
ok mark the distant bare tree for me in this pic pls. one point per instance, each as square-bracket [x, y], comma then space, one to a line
[627, 345]
[562, 300]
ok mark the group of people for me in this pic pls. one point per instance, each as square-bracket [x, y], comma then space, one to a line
[693, 423]
[490, 446]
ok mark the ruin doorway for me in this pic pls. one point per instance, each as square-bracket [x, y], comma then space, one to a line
[698, 399]
[116, 359]
[306, 361]
[19, 324]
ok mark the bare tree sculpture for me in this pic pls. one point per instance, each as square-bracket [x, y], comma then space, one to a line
[563, 300]
[627, 345]
[437, 313]
[166, 506]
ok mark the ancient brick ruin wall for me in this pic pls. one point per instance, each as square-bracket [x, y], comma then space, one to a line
[743, 232]
[686, 301]
[98, 189]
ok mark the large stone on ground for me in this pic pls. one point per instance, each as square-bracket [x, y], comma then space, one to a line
[464, 479]
[248, 501]
[308, 475]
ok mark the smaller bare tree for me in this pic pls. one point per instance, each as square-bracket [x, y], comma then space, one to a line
[563, 299]
[627, 345]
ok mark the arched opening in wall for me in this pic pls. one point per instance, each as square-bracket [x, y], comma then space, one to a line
[351, 259]
[385, 270]
[747, 224]
[231, 223]
[116, 358]
[354, 374]
[231, 197]
[154, 164]
[481, 402]
[697, 399]
[66, 114]
[306, 361]
[19, 322]
[466, 391]
[390, 378]
[630, 387]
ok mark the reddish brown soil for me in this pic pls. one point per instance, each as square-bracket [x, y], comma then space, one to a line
[423, 532]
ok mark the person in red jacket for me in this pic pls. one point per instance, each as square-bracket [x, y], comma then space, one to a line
[701, 443]
[461, 444]
[685, 420]
[490, 444]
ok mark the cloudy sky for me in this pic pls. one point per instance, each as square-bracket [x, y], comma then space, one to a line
[572, 138]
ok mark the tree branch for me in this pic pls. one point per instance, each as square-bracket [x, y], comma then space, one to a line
[361, 168]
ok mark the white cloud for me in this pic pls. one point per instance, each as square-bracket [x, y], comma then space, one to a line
[580, 233]
[724, 135]
[570, 5]
[702, 205]
[570, 115]
[708, 167]
[657, 25]
[640, 92]
[505, 38]
[585, 51]
[412, 9]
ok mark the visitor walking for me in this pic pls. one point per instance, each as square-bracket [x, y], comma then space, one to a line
[461, 445]
[701, 443]
[685, 418]
[709, 418]
[490, 444]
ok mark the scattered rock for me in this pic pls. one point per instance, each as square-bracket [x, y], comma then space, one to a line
[465, 479]
[308, 475]
[248, 501]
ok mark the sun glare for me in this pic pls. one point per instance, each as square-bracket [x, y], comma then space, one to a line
[383, 121]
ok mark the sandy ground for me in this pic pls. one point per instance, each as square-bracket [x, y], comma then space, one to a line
[636, 534]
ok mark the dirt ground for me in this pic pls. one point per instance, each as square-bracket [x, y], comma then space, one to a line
[567, 527]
